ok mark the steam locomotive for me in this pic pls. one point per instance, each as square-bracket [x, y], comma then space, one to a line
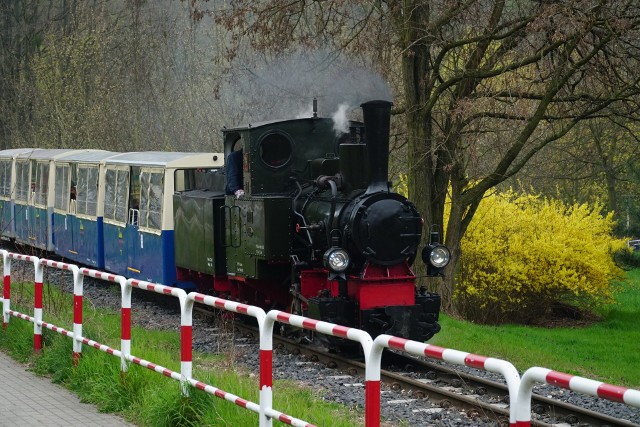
[317, 231]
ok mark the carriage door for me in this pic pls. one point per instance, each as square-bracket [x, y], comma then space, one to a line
[64, 208]
[23, 192]
[116, 199]
[145, 214]
[86, 201]
[5, 198]
[132, 230]
[39, 221]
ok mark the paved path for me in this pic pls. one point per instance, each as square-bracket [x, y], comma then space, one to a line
[27, 400]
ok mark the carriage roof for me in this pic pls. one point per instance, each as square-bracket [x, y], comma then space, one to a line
[167, 159]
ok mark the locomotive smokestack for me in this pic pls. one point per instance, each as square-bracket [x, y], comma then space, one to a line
[377, 118]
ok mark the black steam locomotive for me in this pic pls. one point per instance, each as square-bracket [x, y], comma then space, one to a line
[317, 232]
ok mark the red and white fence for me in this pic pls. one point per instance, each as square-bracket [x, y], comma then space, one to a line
[506, 369]
[571, 382]
[519, 389]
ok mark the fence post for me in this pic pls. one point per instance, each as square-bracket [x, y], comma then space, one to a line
[37, 303]
[125, 322]
[265, 326]
[373, 362]
[372, 388]
[570, 382]
[6, 297]
[78, 281]
[186, 343]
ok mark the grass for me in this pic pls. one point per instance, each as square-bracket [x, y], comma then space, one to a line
[605, 351]
[144, 397]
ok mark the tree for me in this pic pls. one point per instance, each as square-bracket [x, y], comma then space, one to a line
[124, 74]
[593, 164]
[485, 84]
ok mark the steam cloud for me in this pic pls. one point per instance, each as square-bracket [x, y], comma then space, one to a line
[285, 87]
[340, 119]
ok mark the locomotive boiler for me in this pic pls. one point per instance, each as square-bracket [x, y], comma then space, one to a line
[316, 229]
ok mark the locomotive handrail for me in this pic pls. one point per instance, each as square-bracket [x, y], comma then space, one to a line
[225, 231]
[229, 231]
[571, 382]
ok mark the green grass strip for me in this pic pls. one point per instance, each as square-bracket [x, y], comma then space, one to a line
[144, 397]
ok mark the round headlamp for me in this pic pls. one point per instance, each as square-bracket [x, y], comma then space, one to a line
[336, 259]
[437, 255]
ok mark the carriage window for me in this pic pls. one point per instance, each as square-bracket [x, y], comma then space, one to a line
[22, 181]
[87, 189]
[275, 149]
[122, 195]
[63, 189]
[92, 190]
[81, 191]
[116, 194]
[5, 178]
[110, 194]
[151, 197]
[41, 183]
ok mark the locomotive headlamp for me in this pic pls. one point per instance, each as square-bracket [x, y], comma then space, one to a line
[436, 256]
[439, 256]
[336, 259]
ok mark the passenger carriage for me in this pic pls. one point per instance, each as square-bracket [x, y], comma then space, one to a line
[79, 207]
[8, 189]
[34, 197]
[138, 210]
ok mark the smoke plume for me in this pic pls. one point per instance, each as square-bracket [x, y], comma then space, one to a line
[284, 87]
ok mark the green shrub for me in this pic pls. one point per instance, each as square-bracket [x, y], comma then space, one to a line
[628, 258]
[524, 254]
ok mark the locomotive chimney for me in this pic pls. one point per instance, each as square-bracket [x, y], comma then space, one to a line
[377, 118]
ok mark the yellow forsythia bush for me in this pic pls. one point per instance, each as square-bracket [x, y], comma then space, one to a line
[523, 254]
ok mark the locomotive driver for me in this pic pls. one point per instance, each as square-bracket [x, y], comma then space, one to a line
[234, 174]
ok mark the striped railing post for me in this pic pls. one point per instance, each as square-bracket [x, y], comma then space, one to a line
[372, 386]
[570, 382]
[498, 366]
[78, 281]
[266, 412]
[77, 302]
[185, 332]
[125, 318]
[125, 322]
[6, 291]
[37, 297]
[186, 342]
